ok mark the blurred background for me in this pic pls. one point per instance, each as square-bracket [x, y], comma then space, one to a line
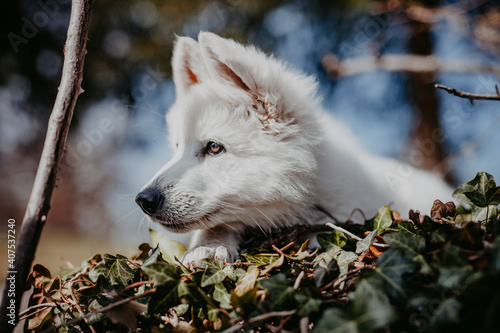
[376, 62]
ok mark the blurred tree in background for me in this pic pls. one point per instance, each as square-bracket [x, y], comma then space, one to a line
[117, 140]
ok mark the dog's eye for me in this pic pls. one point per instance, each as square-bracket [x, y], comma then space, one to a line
[213, 148]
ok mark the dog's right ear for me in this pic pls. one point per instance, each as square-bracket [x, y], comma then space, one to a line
[187, 65]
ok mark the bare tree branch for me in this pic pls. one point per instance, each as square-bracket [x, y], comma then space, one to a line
[471, 97]
[53, 149]
[408, 63]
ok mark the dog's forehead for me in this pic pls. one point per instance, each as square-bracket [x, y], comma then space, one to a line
[206, 109]
[202, 116]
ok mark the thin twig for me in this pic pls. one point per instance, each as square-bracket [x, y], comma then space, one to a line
[286, 247]
[359, 211]
[233, 328]
[282, 324]
[53, 149]
[261, 317]
[296, 285]
[79, 308]
[35, 307]
[343, 277]
[304, 325]
[271, 315]
[333, 226]
[133, 285]
[470, 96]
[275, 248]
[407, 63]
[336, 227]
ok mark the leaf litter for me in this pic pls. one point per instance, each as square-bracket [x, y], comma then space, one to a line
[436, 273]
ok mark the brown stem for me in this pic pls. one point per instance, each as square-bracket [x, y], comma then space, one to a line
[76, 304]
[53, 149]
[403, 63]
[471, 97]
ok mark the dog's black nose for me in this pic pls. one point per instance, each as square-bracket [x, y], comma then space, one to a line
[149, 200]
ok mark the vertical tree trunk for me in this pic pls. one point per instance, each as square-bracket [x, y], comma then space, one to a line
[426, 146]
[53, 149]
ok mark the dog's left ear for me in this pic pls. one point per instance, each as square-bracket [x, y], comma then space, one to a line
[234, 64]
[220, 56]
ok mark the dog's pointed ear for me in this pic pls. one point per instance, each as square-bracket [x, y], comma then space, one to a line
[187, 64]
[221, 59]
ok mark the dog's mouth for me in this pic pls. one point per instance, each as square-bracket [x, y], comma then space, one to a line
[180, 226]
[176, 218]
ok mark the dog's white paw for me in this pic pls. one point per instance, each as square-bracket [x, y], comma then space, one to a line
[193, 257]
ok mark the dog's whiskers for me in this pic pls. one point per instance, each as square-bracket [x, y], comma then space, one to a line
[267, 217]
[226, 224]
[259, 226]
[144, 221]
[234, 213]
[135, 210]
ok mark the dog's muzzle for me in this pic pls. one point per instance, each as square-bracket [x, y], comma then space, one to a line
[150, 200]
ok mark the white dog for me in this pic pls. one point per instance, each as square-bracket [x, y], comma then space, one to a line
[253, 148]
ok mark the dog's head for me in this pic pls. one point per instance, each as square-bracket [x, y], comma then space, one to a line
[244, 139]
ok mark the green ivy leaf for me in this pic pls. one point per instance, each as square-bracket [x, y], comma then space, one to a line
[454, 268]
[114, 268]
[393, 268]
[181, 309]
[324, 259]
[184, 288]
[371, 307]
[274, 264]
[260, 260]
[89, 292]
[344, 258]
[164, 298]
[247, 283]
[407, 227]
[481, 214]
[495, 256]
[281, 291]
[155, 255]
[215, 272]
[412, 246]
[307, 303]
[161, 273]
[446, 313]
[96, 317]
[335, 239]
[323, 275]
[334, 320]
[480, 192]
[221, 295]
[364, 244]
[383, 219]
[238, 274]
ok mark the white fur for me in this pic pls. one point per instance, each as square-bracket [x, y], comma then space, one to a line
[283, 154]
